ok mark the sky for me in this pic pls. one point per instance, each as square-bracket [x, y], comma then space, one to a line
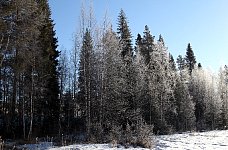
[203, 23]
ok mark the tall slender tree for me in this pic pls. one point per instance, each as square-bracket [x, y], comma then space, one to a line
[223, 93]
[129, 114]
[87, 93]
[190, 58]
[50, 103]
[172, 62]
[185, 107]
[124, 34]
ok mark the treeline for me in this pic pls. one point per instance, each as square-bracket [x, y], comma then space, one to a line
[116, 85]
[119, 88]
[107, 87]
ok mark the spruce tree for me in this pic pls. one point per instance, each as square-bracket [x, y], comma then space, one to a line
[190, 58]
[124, 34]
[113, 84]
[185, 120]
[172, 62]
[165, 84]
[148, 45]
[147, 51]
[129, 115]
[180, 63]
[87, 88]
[199, 65]
[50, 103]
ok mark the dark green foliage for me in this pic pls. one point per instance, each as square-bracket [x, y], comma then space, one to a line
[190, 58]
[129, 75]
[181, 63]
[199, 66]
[138, 41]
[172, 62]
[147, 45]
[50, 104]
[31, 45]
[124, 35]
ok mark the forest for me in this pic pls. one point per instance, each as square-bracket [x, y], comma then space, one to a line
[108, 87]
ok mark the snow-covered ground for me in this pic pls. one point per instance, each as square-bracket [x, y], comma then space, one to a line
[194, 141]
[94, 147]
[187, 141]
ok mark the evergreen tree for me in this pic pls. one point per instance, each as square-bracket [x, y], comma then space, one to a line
[172, 62]
[87, 82]
[24, 55]
[185, 120]
[129, 114]
[199, 65]
[50, 103]
[112, 90]
[166, 83]
[113, 83]
[181, 63]
[148, 45]
[32, 65]
[138, 42]
[157, 81]
[124, 34]
[190, 58]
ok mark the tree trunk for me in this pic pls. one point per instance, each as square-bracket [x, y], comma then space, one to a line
[89, 99]
[31, 103]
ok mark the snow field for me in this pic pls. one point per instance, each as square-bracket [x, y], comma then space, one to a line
[212, 140]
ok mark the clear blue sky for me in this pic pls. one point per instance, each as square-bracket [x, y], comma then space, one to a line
[203, 23]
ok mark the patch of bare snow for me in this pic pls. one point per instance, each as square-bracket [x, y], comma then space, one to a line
[194, 141]
[94, 147]
[212, 140]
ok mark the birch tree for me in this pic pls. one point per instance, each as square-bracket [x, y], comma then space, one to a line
[222, 89]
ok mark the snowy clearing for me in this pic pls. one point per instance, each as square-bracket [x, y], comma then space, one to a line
[194, 141]
[186, 141]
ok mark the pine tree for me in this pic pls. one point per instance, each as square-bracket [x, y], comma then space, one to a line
[190, 58]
